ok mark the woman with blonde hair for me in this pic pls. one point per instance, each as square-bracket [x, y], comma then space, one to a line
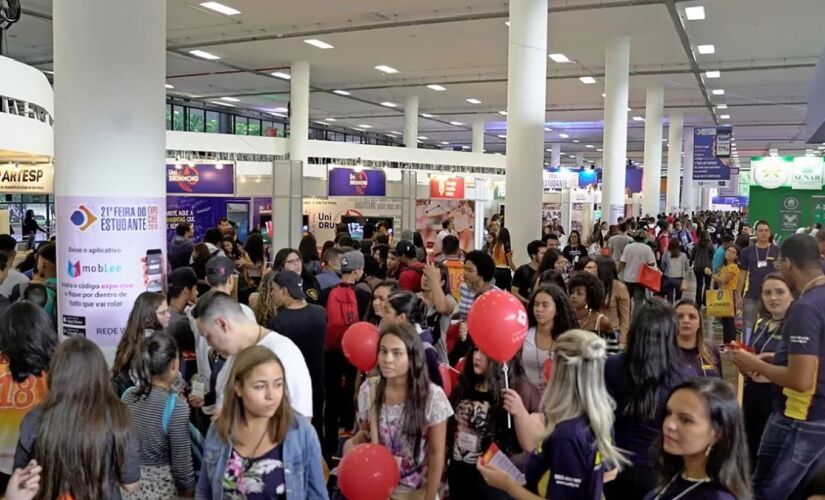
[573, 456]
[262, 303]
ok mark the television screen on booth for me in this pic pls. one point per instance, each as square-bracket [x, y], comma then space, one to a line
[356, 224]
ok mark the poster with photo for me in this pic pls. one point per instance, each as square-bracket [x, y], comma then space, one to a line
[429, 214]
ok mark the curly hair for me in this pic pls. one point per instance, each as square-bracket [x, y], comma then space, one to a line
[265, 307]
[593, 288]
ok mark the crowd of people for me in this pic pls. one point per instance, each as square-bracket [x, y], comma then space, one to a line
[235, 382]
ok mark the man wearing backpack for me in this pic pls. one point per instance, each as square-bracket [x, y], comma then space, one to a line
[345, 304]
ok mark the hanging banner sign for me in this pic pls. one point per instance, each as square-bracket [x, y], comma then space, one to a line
[344, 181]
[29, 179]
[556, 181]
[798, 173]
[200, 178]
[711, 156]
[807, 173]
[451, 188]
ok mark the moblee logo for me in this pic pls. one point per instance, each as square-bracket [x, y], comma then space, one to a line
[74, 269]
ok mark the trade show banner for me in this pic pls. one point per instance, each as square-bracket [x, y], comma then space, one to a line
[202, 212]
[556, 181]
[112, 251]
[345, 181]
[429, 214]
[451, 188]
[711, 156]
[324, 213]
[201, 178]
[27, 179]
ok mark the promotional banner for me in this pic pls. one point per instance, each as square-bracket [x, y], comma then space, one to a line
[556, 181]
[28, 179]
[711, 156]
[807, 173]
[798, 173]
[356, 182]
[201, 178]
[791, 213]
[323, 213]
[112, 251]
[429, 215]
[202, 212]
[447, 187]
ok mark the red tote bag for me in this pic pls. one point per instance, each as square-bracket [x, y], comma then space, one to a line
[650, 278]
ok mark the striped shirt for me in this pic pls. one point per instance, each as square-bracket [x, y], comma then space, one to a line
[468, 296]
[158, 447]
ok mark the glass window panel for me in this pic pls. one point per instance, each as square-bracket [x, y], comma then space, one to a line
[213, 122]
[254, 127]
[177, 118]
[196, 120]
[241, 125]
[168, 117]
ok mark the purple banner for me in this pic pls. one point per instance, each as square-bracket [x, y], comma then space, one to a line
[353, 182]
[711, 154]
[201, 178]
[201, 211]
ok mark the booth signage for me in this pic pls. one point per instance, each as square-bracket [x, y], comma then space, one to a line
[807, 173]
[556, 181]
[711, 155]
[30, 179]
[790, 213]
[818, 203]
[356, 182]
[798, 173]
[200, 178]
[451, 188]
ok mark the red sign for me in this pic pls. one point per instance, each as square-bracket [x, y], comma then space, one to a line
[447, 187]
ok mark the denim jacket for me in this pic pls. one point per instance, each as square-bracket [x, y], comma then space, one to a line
[302, 464]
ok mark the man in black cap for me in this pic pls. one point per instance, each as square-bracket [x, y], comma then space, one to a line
[305, 325]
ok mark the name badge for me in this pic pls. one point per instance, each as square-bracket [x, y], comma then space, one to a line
[762, 263]
[467, 442]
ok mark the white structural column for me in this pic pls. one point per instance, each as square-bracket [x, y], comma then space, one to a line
[299, 111]
[409, 186]
[674, 161]
[478, 136]
[616, 83]
[555, 155]
[110, 150]
[688, 188]
[411, 122]
[526, 97]
[652, 173]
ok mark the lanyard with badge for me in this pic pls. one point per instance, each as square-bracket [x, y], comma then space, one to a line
[682, 494]
[762, 263]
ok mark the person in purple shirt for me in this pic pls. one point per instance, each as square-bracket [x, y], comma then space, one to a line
[755, 262]
[639, 380]
[578, 453]
[702, 451]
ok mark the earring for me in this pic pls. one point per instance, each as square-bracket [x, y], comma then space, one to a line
[707, 452]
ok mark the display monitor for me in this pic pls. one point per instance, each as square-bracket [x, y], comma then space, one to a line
[355, 224]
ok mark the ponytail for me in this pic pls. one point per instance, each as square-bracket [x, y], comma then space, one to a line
[155, 355]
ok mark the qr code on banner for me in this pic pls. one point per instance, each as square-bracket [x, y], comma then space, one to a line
[152, 218]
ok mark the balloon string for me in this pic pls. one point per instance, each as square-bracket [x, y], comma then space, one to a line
[507, 386]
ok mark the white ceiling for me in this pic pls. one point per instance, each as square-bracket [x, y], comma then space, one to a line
[765, 50]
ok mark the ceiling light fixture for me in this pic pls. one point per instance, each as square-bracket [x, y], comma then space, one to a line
[204, 55]
[548, 129]
[221, 103]
[427, 115]
[389, 104]
[473, 100]
[386, 69]
[706, 49]
[502, 113]
[364, 126]
[713, 74]
[696, 13]
[589, 146]
[576, 141]
[331, 119]
[721, 106]
[422, 137]
[502, 136]
[230, 99]
[320, 44]
[341, 92]
[718, 91]
[587, 80]
[436, 87]
[220, 8]
[724, 117]
[507, 23]
[638, 119]
[457, 124]
[169, 86]
[281, 110]
[282, 75]
[564, 136]
[559, 58]
[445, 143]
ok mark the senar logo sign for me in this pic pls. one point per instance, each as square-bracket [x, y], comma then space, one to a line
[83, 218]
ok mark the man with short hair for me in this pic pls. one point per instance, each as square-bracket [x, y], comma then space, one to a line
[328, 277]
[225, 227]
[409, 269]
[14, 278]
[755, 262]
[634, 256]
[744, 238]
[719, 254]
[382, 229]
[183, 293]
[552, 241]
[305, 325]
[793, 444]
[453, 260]
[447, 229]
[616, 244]
[343, 240]
[213, 237]
[524, 275]
[180, 248]
[229, 331]
[479, 277]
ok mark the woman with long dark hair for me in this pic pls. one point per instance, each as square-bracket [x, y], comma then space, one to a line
[402, 410]
[502, 253]
[702, 258]
[702, 451]
[639, 380]
[574, 250]
[675, 269]
[256, 254]
[259, 445]
[700, 353]
[81, 433]
[288, 259]
[165, 447]
[150, 314]
[378, 304]
[616, 305]
[406, 307]
[27, 342]
[308, 248]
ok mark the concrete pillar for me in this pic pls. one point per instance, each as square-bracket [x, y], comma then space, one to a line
[409, 185]
[526, 98]
[299, 112]
[478, 136]
[411, 122]
[555, 155]
[689, 190]
[674, 161]
[652, 173]
[617, 67]
[287, 203]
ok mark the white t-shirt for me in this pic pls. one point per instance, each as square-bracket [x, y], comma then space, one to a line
[202, 346]
[636, 255]
[298, 382]
[439, 240]
[14, 278]
[533, 360]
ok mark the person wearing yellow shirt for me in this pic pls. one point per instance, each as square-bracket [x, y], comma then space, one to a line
[728, 278]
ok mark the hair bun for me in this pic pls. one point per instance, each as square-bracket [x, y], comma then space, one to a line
[595, 348]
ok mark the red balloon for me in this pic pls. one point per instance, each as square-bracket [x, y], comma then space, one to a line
[497, 323]
[446, 378]
[360, 345]
[368, 472]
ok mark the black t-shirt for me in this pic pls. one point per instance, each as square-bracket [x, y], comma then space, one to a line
[306, 327]
[699, 365]
[698, 491]
[574, 253]
[523, 280]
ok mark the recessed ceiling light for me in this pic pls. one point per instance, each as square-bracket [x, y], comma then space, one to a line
[473, 100]
[364, 126]
[599, 149]
[696, 13]
[389, 104]
[320, 44]
[548, 129]
[575, 140]
[169, 86]
[457, 124]
[564, 136]
[559, 58]
[386, 69]
[422, 137]
[221, 8]
[638, 119]
[549, 150]
[395, 132]
[572, 156]
[502, 136]
[718, 91]
[733, 145]
[507, 23]
[341, 92]
[604, 95]
[502, 113]
[437, 88]
[721, 106]
[279, 115]
[280, 110]
[587, 80]
[713, 74]
[282, 75]
[724, 117]
[331, 119]
[221, 103]
[204, 55]
[445, 143]
[706, 49]
[230, 99]
[590, 146]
